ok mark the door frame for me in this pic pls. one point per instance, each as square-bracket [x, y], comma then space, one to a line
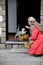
[6, 3]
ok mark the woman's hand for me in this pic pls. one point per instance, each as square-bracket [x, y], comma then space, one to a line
[27, 27]
[31, 41]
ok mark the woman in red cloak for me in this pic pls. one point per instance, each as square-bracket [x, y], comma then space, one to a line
[36, 47]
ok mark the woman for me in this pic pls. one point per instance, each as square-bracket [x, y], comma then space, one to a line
[36, 47]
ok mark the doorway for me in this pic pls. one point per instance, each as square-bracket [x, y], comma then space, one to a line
[24, 9]
[27, 8]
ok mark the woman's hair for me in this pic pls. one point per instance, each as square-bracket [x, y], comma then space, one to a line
[31, 19]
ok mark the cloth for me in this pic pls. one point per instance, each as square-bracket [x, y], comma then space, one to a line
[37, 45]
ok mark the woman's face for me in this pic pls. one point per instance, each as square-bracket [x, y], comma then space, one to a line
[31, 21]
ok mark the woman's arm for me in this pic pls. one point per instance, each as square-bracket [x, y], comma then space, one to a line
[27, 27]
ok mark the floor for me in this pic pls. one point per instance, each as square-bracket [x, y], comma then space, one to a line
[10, 57]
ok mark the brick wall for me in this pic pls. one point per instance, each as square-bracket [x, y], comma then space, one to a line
[3, 23]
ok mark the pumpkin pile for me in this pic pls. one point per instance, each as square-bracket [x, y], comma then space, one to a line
[23, 37]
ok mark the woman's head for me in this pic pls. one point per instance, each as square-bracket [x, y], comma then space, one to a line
[31, 20]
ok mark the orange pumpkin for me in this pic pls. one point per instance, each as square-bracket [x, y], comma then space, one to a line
[25, 36]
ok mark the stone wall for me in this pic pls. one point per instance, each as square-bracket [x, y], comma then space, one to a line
[41, 12]
[3, 23]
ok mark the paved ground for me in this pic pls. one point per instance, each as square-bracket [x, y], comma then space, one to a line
[9, 57]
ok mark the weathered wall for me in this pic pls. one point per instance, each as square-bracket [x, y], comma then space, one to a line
[3, 23]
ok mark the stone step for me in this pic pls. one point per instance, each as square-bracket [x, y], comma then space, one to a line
[19, 50]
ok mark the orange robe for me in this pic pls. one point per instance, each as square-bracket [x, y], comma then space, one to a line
[37, 45]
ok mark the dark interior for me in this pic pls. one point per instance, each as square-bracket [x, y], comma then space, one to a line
[26, 8]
